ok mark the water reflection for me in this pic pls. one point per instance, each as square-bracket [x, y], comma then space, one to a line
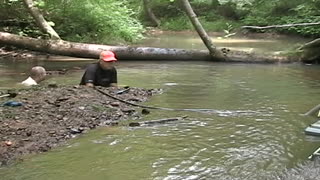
[239, 42]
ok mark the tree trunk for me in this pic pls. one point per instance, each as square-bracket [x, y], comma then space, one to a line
[150, 14]
[66, 48]
[41, 22]
[202, 33]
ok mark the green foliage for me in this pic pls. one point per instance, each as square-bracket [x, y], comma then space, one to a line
[111, 21]
[166, 9]
[101, 21]
[176, 23]
[302, 30]
[39, 3]
[183, 23]
[220, 25]
[272, 12]
[12, 9]
[15, 18]
[228, 10]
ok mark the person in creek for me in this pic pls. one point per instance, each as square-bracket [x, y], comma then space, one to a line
[103, 73]
[37, 74]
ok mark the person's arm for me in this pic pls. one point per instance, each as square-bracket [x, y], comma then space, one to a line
[89, 76]
[114, 79]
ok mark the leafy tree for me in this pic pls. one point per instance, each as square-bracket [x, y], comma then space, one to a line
[94, 20]
[100, 21]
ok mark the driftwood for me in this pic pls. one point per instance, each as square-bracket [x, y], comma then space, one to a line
[157, 121]
[65, 48]
[313, 110]
[280, 26]
[312, 44]
[10, 95]
[5, 95]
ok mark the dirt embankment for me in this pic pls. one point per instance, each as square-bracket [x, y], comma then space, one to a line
[50, 116]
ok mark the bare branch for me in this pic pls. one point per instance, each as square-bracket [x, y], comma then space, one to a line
[280, 26]
[312, 44]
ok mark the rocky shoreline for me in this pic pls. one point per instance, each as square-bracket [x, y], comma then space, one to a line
[48, 116]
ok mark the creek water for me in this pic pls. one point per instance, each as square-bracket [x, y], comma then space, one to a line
[252, 126]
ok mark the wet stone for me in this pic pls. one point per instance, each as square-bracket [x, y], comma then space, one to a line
[145, 111]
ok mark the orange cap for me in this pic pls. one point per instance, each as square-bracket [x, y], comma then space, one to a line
[107, 56]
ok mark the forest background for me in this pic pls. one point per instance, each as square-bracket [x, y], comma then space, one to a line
[122, 22]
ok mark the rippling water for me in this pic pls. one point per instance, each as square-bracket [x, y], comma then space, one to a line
[248, 126]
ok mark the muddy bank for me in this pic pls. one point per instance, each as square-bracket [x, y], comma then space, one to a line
[49, 116]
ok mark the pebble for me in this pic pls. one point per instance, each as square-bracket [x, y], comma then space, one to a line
[81, 108]
[115, 104]
[59, 117]
[8, 143]
[52, 132]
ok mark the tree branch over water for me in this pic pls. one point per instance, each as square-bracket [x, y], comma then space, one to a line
[280, 26]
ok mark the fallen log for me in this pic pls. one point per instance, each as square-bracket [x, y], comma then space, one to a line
[312, 44]
[313, 110]
[73, 49]
[157, 121]
[280, 26]
[65, 48]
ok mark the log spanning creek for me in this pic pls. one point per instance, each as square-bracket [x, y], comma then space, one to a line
[250, 127]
